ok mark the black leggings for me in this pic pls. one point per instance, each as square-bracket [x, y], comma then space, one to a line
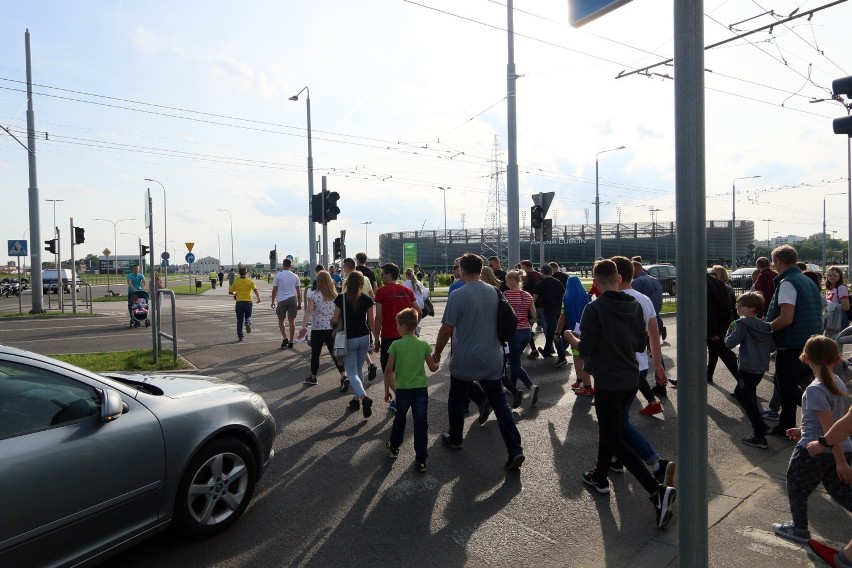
[320, 337]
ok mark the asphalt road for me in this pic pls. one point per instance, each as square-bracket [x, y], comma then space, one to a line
[332, 496]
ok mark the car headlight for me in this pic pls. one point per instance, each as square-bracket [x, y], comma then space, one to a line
[259, 404]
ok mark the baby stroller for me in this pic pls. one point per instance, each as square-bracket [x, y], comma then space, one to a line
[138, 306]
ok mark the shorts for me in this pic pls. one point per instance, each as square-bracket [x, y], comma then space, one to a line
[286, 308]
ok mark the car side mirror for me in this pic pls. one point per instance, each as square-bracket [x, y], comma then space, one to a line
[112, 406]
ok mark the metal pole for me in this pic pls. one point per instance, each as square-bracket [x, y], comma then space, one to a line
[232, 234]
[446, 235]
[35, 223]
[540, 233]
[165, 229]
[690, 195]
[849, 191]
[153, 315]
[734, 220]
[512, 192]
[597, 212]
[73, 271]
[324, 226]
[823, 233]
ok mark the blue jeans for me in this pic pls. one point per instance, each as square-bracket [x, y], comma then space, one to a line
[549, 323]
[418, 401]
[494, 392]
[516, 348]
[356, 352]
[243, 310]
[637, 442]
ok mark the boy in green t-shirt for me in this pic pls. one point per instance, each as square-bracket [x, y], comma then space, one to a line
[405, 382]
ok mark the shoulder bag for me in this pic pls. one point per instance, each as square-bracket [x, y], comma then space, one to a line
[340, 334]
[428, 308]
[507, 321]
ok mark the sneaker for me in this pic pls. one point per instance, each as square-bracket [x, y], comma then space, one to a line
[311, 381]
[665, 472]
[673, 383]
[248, 327]
[586, 391]
[284, 343]
[392, 406]
[663, 501]
[517, 398]
[770, 415]
[516, 461]
[660, 391]
[601, 486]
[576, 384]
[560, 363]
[533, 354]
[290, 344]
[367, 406]
[239, 339]
[827, 553]
[544, 353]
[755, 441]
[616, 466]
[354, 404]
[447, 441]
[533, 395]
[484, 412]
[790, 532]
[344, 385]
[392, 452]
[420, 467]
[652, 409]
[371, 372]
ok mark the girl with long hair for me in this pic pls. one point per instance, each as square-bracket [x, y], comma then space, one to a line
[319, 312]
[359, 323]
[420, 293]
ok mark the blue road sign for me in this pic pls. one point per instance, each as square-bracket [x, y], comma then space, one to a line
[164, 262]
[18, 248]
[190, 258]
[165, 255]
[582, 12]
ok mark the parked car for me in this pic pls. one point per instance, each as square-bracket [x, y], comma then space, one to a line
[741, 279]
[50, 281]
[93, 463]
[666, 274]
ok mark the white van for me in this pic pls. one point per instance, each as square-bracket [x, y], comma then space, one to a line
[49, 281]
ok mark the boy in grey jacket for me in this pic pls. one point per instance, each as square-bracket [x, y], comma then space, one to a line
[754, 336]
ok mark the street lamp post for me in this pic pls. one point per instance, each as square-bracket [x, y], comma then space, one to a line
[446, 237]
[311, 229]
[57, 258]
[734, 220]
[654, 212]
[365, 223]
[232, 234]
[219, 242]
[598, 201]
[165, 225]
[823, 225]
[767, 231]
[115, 247]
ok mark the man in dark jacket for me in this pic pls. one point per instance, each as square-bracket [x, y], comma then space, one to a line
[721, 311]
[531, 278]
[548, 292]
[765, 283]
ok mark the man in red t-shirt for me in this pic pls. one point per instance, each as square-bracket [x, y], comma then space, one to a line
[391, 298]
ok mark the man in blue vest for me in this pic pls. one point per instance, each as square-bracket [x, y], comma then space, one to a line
[795, 314]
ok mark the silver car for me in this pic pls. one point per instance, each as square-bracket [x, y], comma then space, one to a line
[91, 464]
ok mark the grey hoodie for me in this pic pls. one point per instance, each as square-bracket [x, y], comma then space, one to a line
[754, 336]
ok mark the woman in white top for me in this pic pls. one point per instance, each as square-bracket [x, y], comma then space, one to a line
[319, 312]
[420, 293]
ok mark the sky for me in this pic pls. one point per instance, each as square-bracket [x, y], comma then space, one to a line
[406, 97]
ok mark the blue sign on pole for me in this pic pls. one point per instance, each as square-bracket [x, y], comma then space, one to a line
[582, 12]
[190, 258]
[18, 248]
[164, 263]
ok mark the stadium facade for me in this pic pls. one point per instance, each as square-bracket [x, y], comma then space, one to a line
[569, 245]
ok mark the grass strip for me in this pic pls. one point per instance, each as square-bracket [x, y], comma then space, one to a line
[136, 360]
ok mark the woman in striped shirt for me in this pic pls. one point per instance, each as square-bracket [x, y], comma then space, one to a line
[522, 303]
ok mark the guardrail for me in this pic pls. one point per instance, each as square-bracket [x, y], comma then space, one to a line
[160, 334]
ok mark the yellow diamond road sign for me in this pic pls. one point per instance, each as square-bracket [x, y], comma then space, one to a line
[189, 246]
[107, 252]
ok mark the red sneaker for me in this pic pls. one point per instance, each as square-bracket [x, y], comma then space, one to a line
[585, 391]
[652, 409]
[577, 384]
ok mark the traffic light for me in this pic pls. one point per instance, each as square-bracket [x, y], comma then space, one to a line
[316, 208]
[273, 259]
[843, 87]
[536, 216]
[144, 250]
[338, 249]
[79, 235]
[51, 246]
[331, 208]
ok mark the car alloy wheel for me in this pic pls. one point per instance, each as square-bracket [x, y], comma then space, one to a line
[216, 488]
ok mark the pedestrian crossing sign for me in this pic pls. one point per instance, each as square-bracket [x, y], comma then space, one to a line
[18, 248]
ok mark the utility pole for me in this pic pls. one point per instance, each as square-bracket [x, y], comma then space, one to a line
[512, 193]
[35, 224]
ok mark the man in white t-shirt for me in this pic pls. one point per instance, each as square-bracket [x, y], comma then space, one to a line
[286, 291]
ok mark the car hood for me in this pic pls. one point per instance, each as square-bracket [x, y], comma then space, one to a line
[177, 386]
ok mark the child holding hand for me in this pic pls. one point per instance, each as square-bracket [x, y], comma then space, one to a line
[405, 381]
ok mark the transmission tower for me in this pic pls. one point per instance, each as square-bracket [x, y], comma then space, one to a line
[494, 238]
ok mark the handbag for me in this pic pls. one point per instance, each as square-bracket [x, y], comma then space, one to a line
[832, 322]
[507, 321]
[428, 308]
[340, 335]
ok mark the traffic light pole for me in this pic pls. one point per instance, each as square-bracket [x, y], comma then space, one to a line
[73, 271]
[59, 285]
[540, 233]
[324, 227]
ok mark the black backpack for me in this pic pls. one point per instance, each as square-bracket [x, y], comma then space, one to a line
[507, 321]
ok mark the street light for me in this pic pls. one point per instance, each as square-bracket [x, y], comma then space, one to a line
[446, 238]
[165, 225]
[312, 246]
[823, 225]
[734, 220]
[232, 234]
[220, 244]
[598, 202]
[654, 212]
[365, 223]
[55, 231]
[767, 231]
[114, 244]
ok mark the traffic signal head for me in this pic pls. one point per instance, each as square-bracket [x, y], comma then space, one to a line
[843, 87]
[51, 246]
[337, 249]
[316, 208]
[79, 235]
[331, 208]
[536, 216]
[143, 250]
